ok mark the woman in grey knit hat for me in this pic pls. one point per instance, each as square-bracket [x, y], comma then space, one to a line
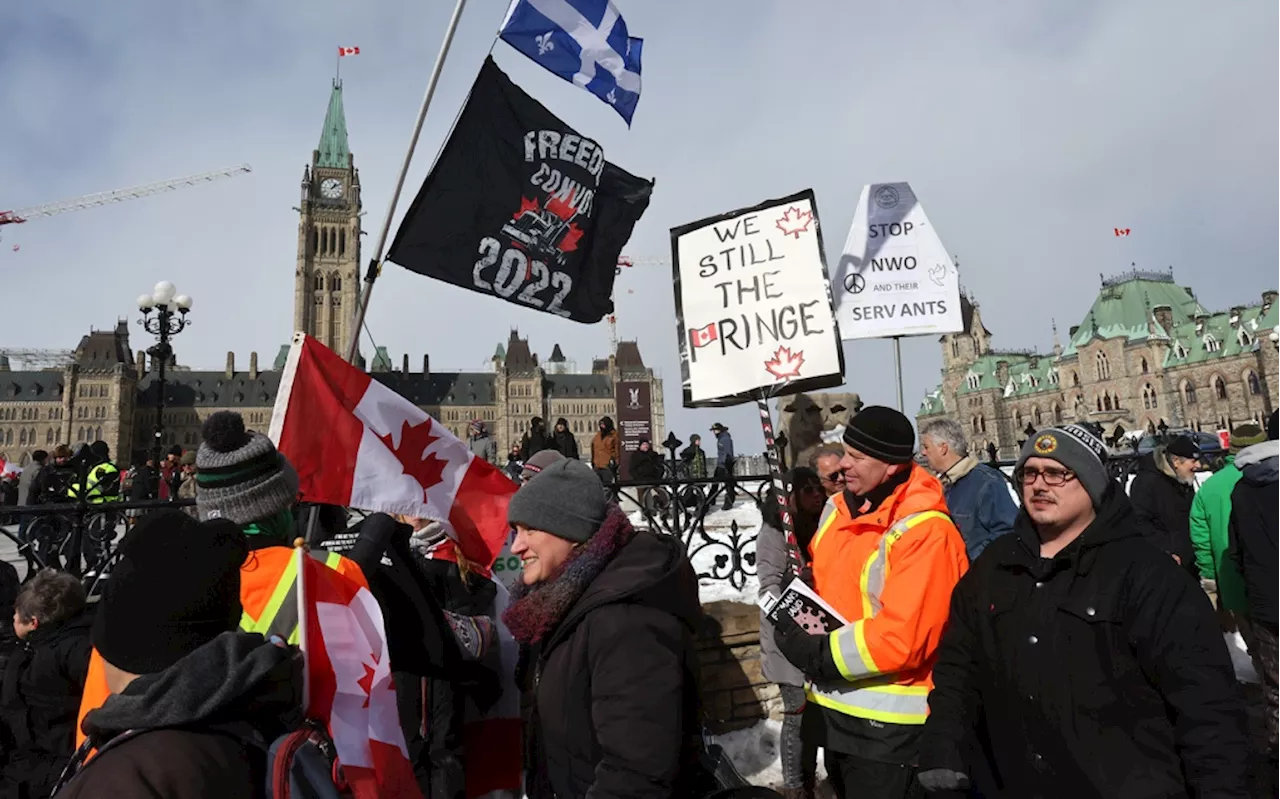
[608, 615]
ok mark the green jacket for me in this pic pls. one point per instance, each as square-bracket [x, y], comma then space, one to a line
[1210, 518]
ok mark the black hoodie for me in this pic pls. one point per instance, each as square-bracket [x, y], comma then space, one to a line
[536, 439]
[616, 687]
[187, 725]
[1100, 672]
[1162, 508]
[564, 441]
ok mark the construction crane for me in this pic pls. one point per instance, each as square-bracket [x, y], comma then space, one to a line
[626, 262]
[119, 195]
[35, 360]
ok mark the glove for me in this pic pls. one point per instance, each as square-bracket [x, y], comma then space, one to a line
[1208, 586]
[811, 653]
[943, 779]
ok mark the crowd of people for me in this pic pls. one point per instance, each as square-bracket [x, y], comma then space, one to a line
[1069, 643]
[1057, 639]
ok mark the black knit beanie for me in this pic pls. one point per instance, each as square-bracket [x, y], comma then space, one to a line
[177, 587]
[882, 433]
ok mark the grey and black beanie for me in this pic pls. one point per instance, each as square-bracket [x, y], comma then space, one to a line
[241, 475]
[1075, 448]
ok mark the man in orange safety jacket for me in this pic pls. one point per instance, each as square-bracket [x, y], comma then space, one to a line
[886, 557]
[243, 478]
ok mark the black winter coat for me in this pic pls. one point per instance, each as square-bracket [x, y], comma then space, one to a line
[1101, 672]
[646, 465]
[1254, 525]
[535, 441]
[617, 711]
[39, 701]
[1162, 510]
[564, 441]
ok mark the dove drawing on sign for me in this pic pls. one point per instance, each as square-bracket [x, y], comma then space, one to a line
[938, 274]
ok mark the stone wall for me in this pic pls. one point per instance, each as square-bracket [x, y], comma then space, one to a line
[735, 694]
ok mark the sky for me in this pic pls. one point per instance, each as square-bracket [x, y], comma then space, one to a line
[1029, 131]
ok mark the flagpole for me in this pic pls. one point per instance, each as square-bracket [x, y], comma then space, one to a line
[300, 554]
[362, 307]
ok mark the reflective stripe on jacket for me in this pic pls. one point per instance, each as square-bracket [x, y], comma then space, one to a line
[889, 571]
[104, 485]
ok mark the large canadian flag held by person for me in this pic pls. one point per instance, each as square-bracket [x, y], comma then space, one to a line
[357, 443]
[348, 681]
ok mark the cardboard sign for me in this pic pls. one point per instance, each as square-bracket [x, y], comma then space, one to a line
[895, 278]
[753, 304]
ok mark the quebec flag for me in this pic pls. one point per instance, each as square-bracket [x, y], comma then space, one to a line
[582, 41]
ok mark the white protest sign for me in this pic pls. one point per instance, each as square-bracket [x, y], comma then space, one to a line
[753, 304]
[894, 277]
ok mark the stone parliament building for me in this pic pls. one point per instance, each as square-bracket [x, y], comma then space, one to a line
[106, 392]
[1146, 354]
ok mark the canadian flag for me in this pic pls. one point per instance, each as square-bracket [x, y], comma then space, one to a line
[1122, 231]
[348, 681]
[702, 336]
[357, 443]
[348, 51]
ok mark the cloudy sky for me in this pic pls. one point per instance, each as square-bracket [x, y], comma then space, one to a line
[1029, 131]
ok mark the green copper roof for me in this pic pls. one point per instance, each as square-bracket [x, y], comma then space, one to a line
[282, 357]
[333, 139]
[1123, 309]
[381, 360]
[932, 405]
[985, 370]
[501, 352]
[1032, 376]
[1218, 338]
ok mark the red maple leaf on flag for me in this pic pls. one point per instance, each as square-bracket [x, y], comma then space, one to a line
[526, 205]
[366, 682]
[785, 363]
[414, 440]
[570, 241]
[794, 221]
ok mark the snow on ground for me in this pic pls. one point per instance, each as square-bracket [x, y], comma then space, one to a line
[757, 753]
[1240, 658]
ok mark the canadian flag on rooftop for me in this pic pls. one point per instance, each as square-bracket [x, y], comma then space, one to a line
[348, 681]
[357, 443]
[348, 51]
[1122, 231]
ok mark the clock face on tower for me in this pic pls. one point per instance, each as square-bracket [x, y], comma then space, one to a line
[331, 188]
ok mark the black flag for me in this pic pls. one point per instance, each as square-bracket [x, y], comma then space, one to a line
[523, 207]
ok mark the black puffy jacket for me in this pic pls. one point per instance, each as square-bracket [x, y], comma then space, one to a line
[1100, 672]
[617, 710]
[1162, 508]
[39, 702]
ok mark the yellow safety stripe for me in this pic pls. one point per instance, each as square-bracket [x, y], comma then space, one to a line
[829, 516]
[892, 704]
[286, 582]
[849, 647]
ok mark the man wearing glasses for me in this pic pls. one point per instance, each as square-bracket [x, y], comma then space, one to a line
[825, 460]
[1097, 663]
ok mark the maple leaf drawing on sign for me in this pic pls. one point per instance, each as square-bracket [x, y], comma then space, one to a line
[785, 363]
[414, 440]
[793, 221]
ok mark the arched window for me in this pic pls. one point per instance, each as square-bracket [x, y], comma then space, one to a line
[333, 241]
[974, 423]
[1255, 386]
[1075, 379]
[1189, 393]
[1145, 368]
[342, 241]
[1057, 412]
[315, 239]
[22, 437]
[1104, 368]
[1106, 401]
[982, 423]
[1036, 414]
[1017, 419]
[335, 282]
[1220, 387]
[973, 380]
[79, 434]
[1115, 400]
[955, 347]
[1099, 403]
[48, 436]
[318, 283]
[1244, 338]
[1211, 344]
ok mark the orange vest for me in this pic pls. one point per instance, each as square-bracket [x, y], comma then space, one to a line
[889, 572]
[268, 582]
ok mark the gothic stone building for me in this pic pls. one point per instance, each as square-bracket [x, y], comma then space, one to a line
[1147, 353]
[106, 393]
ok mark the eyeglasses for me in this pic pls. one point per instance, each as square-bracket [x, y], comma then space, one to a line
[835, 477]
[811, 489]
[1052, 477]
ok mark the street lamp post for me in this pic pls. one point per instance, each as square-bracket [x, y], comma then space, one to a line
[170, 319]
